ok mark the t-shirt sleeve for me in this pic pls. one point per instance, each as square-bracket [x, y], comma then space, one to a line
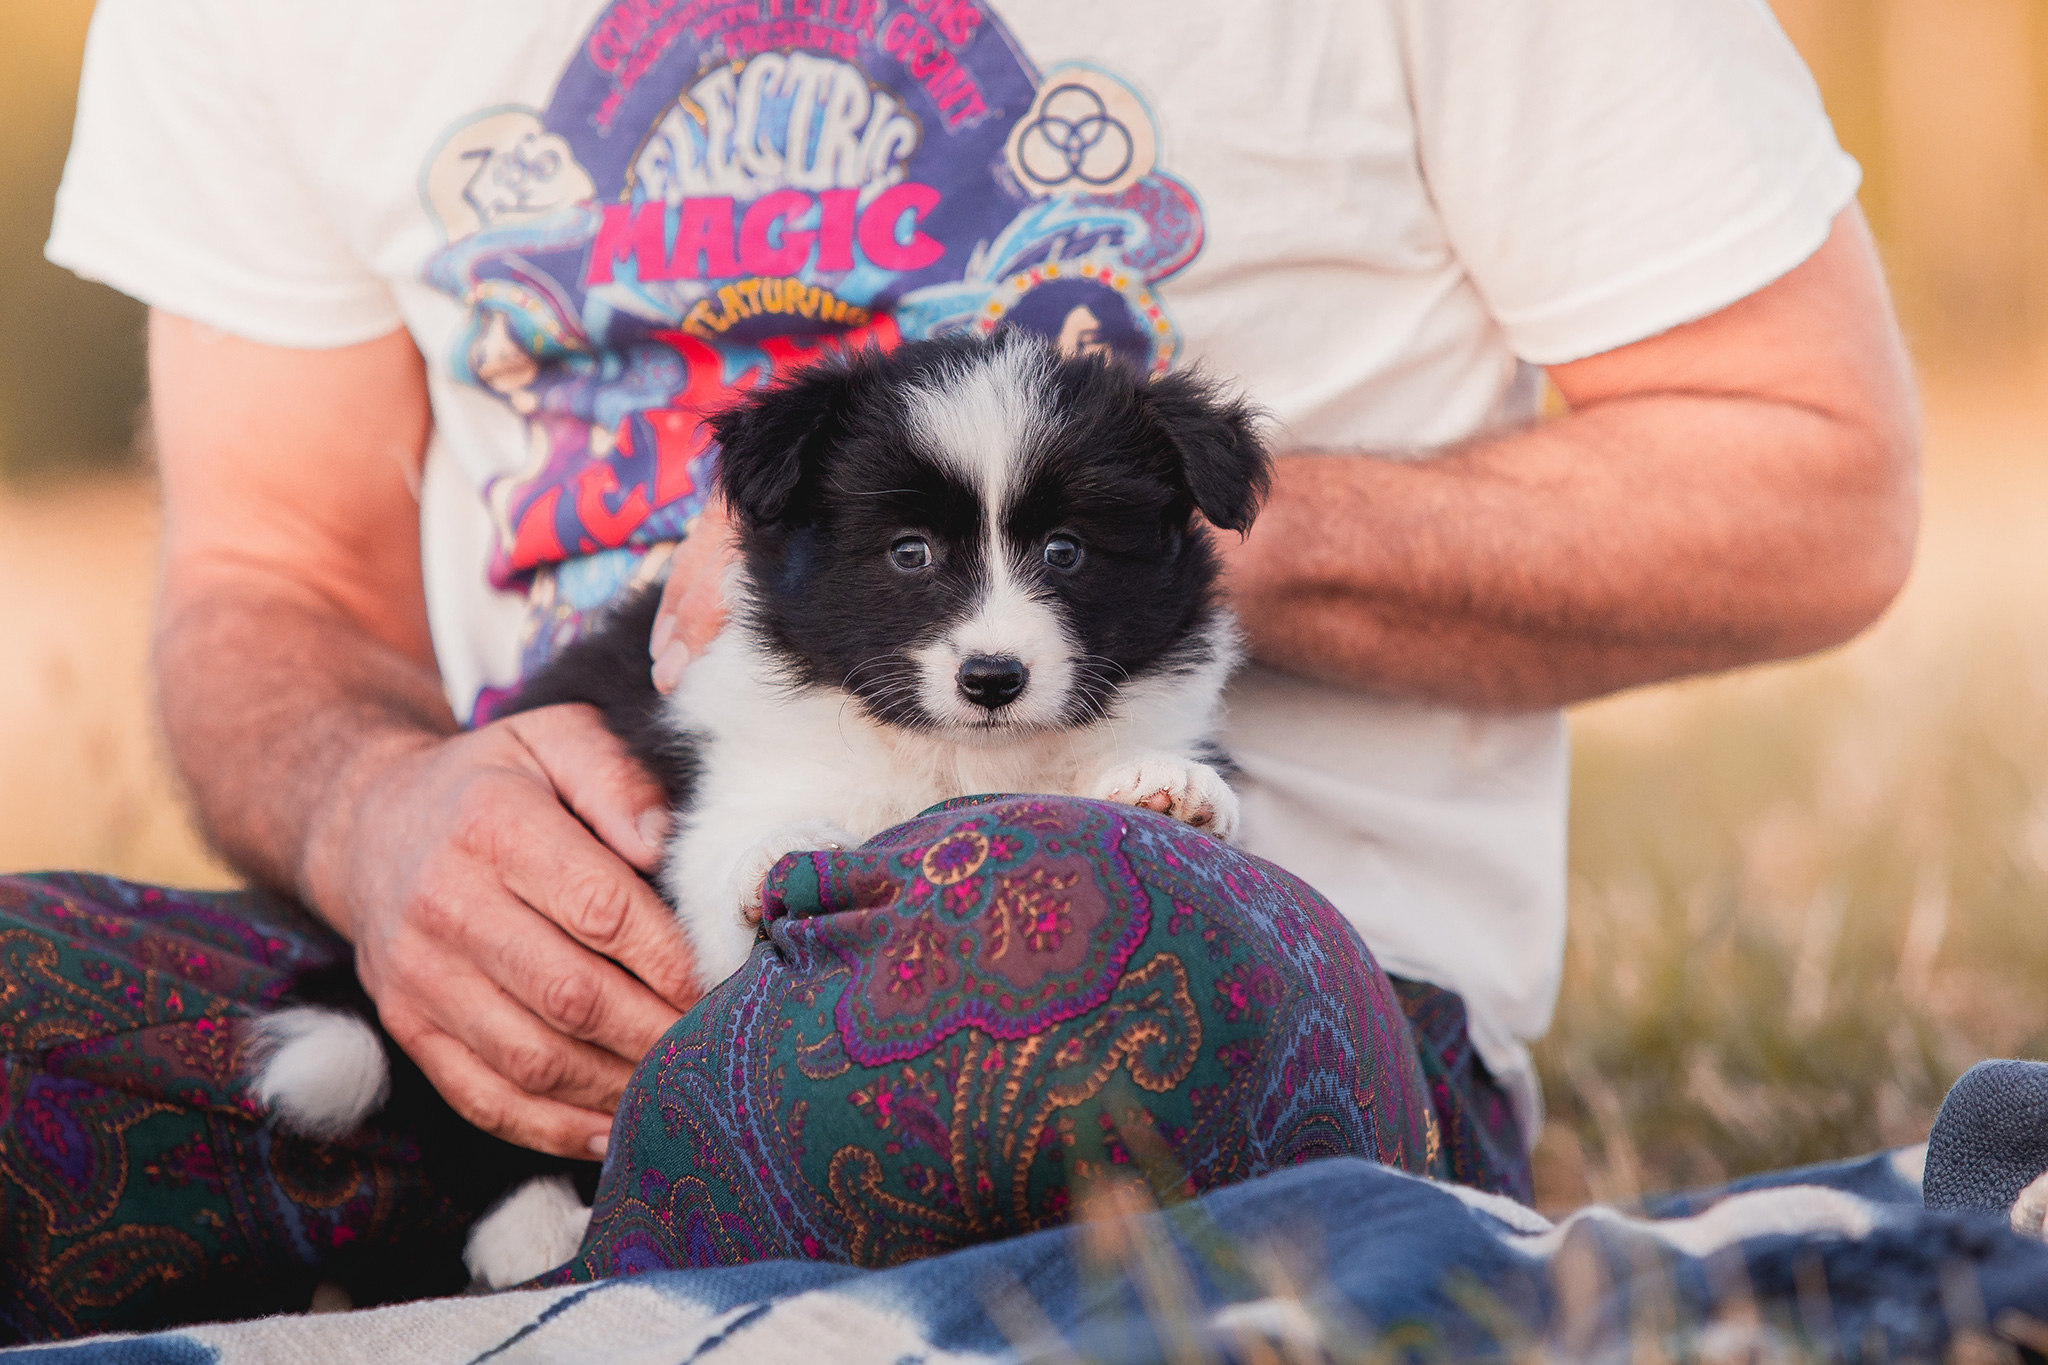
[181, 192]
[1609, 171]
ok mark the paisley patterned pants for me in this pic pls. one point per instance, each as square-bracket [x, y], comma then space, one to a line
[1146, 998]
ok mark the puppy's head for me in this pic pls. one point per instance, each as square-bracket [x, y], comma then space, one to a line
[984, 537]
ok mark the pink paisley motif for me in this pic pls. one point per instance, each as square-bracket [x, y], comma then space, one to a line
[1048, 944]
[960, 897]
[915, 964]
[1248, 991]
[72, 1156]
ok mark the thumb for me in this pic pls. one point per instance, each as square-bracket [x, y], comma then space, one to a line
[596, 778]
[692, 610]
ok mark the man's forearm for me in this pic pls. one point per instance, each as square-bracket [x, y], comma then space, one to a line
[1741, 488]
[278, 708]
[1639, 540]
[487, 879]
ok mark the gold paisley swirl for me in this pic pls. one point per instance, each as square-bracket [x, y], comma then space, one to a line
[314, 1174]
[108, 1267]
[32, 1023]
[823, 1060]
[960, 1151]
[855, 1180]
[106, 1116]
[1165, 1001]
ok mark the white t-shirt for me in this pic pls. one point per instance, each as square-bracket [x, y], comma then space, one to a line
[596, 216]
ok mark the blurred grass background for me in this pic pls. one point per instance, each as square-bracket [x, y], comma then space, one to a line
[1804, 898]
[70, 352]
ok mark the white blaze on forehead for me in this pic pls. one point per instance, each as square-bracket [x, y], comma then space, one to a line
[982, 419]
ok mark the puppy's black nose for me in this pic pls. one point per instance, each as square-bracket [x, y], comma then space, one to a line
[992, 680]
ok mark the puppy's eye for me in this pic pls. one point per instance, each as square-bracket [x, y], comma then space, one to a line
[911, 554]
[1063, 553]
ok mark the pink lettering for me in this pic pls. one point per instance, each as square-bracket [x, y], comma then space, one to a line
[758, 256]
[627, 231]
[835, 230]
[956, 20]
[950, 83]
[880, 225]
[860, 15]
[704, 242]
[595, 487]
[536, 541]
[899, 32]
[972, 111]
[921, 51]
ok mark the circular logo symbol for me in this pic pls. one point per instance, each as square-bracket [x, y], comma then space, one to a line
[1086, 132]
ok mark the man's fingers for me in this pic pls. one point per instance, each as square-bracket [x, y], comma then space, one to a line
[679, 576]
[571, 989]
[700, 564]
[692, 609]
[495, 1105]
[539, 1062]
[595, 777]
[553, 865]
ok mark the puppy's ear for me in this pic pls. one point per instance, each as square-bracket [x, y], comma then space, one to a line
[1223, 457]
[772, 442]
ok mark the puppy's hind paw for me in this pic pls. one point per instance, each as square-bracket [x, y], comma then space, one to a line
[1192, 793]
[530, 1231]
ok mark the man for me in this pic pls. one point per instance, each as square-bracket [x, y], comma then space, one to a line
[437, 295]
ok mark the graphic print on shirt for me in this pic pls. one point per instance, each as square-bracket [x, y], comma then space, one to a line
[716, 191]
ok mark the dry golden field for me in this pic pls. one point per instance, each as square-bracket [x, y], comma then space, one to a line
[1804, 897]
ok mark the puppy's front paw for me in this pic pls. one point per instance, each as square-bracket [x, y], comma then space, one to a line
[800, 836]
[1188, 791]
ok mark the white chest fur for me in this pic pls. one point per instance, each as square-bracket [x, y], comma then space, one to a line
[784, 769]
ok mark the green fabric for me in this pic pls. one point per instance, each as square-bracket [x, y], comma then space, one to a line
[955, 1032]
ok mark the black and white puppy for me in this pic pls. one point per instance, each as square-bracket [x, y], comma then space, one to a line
[966, 566]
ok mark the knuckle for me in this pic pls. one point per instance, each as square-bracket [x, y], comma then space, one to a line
[479, 821]
[485, 1111]
[552, 725]
[412, 980]
[535, 1068]
[598, 909]
[572, 1002]
[406, 1028]
[436, 911]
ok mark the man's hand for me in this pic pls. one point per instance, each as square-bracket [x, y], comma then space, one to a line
[692, 601]
[487, 879]
[488, 884]
[1741, 488]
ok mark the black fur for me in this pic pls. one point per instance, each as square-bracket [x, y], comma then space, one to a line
[608, 667]
[825, 471]
[822, 472]
[465, 1168]
[1223, 460]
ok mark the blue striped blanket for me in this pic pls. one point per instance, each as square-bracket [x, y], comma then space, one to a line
[1336, 1260]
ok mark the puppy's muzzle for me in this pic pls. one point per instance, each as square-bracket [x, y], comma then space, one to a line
[992, 680]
